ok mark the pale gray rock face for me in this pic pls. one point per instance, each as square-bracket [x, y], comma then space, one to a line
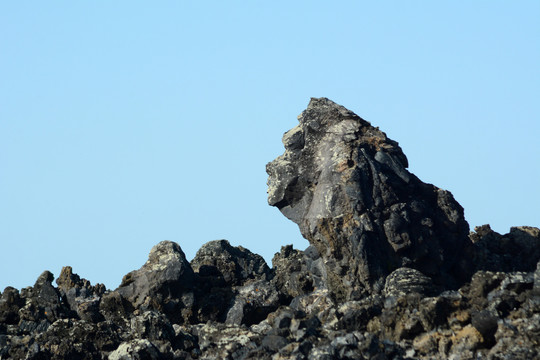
[135, 349]
[346, 185]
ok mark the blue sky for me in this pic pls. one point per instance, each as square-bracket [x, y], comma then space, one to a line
[123, 124]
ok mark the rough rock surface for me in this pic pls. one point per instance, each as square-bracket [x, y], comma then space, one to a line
[163, 283]
[346, 185]
[234, 265]
[516, 251]
[389, 302]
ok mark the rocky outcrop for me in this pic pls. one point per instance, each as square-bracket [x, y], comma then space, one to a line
[162, 284]
[406, 281]
[80, 295]
[231, 265]
[365, 288]
[346, 185]
[519, 250]
[292, 277]
[495, 315]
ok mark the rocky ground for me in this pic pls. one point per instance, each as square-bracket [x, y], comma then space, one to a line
[391, 272]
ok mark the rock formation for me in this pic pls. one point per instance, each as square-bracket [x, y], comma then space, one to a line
[346, 185]
[387, 275]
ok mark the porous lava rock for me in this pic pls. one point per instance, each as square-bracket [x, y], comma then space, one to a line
[346, 185]
[389, 302]
[405, 281]
[519, 250]
[234, 265]
[495, 315]
[163, 282]
[79, 294]
[292, 275]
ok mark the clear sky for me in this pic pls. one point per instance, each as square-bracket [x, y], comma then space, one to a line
[123, 123]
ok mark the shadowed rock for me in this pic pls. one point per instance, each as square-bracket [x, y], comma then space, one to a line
[232, 284]
[346, 185]
[519, 250]
[405, 281]
[292, 276]
[79, 294]
[234, 265]
[161, 283]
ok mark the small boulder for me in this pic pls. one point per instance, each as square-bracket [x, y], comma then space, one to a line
[405, 281]
[252, 303]
[486, 323]
[161, 282]
[519, 250]
[152, 325]
[234, 265]
[44, 301]
[10, 303]
[292, 276]
[138, 349]
[274, 342]
[355, 315]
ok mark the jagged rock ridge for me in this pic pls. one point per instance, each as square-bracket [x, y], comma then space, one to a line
[228, 304]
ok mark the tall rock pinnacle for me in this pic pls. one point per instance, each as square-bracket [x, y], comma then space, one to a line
[346, 185]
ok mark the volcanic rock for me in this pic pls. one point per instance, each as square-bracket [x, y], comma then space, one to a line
[10, 303]
[136, 349]
[234, 265]
[162, 282]
[80, 295]
[252, 303]
[519, 250]
[404, 281]
[232, 285]
[378, 280]
[537, 278]
[292, 275]
[346, 185]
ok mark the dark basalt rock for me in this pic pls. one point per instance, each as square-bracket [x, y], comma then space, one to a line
[519, 250]
[163, 283]
[80, 295]
[42, 305]
[486, 323]
[232, 284]
[405, 281]
[537, 278]
[10, 303]
[136, 349]
[346, 185]
[494, 316]
[252, 303]
[378, 280]
[292, 275]
[233, 265]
